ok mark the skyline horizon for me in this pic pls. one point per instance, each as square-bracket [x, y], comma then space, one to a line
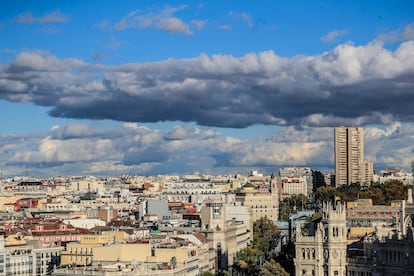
[170, 86]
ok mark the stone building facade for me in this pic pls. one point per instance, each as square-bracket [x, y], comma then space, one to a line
[323, 252]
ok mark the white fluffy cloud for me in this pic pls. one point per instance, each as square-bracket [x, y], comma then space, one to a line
[85, 149]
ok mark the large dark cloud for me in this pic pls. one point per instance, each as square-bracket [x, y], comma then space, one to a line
[355, 85]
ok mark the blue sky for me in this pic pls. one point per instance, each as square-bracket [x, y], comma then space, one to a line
[214, 87]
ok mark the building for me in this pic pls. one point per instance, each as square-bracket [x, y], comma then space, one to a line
[323, 252]
[391, 174]
[294, 185]
[375, 255]
[28, 258]
[162, 254]
[363, 217]
[368, 175]
[349, 156]
[303, 174]
[226, 236]
[261, 204]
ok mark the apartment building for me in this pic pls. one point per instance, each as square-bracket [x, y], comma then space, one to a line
[28, 258]
[350, 165]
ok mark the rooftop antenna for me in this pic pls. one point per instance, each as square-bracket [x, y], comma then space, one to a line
[27, 169]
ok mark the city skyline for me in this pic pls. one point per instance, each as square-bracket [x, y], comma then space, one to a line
[210, 87]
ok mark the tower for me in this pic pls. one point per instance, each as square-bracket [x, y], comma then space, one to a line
[213, 215]
[334, 239]
[324, 252]
[349, 156]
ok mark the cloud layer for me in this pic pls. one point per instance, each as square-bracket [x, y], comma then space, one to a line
[134, 149]
[356, 85]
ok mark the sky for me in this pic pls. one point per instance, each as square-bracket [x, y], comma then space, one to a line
[217, 87]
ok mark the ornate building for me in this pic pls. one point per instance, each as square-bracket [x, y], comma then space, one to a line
[323, 252]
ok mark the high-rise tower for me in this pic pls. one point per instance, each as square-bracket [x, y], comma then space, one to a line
[349, 156]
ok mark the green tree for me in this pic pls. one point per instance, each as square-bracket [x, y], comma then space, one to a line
[248, 261]
[394, 190]
[284, 209]
[222, 273]
[293, 203]
[271, 268]
[349, 192]
[265, 238]
[285, 258]
[381, 194]
[265, 235]
[326, 193]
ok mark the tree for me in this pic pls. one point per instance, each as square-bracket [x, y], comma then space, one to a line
[285, 258]
[295, 202]
[248, 261]
[265, 235]
[394, 190]
[326, 193]
[349, 192]
[222, 273]
[381, 194]
[265, 238]
[271, 268]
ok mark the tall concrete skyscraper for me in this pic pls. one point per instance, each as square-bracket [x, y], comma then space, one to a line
[349, 156]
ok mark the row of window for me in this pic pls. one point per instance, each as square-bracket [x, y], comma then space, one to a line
[308, 253]
[75, 250]
[395, 256]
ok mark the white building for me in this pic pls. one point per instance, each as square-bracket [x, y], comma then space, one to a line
[28, 259]
[299, 177]
[323, 252]
[294, 185]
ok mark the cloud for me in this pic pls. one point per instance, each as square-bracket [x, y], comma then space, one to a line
[242, 16]
[352, 85]
[53, 17]
[198, 24]
[164, 20]
[98, 56]
[409, 32]
[332, 36]
[114, 44]
[133, 149]
[397, 36]
[49, 30]
[225, 27]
